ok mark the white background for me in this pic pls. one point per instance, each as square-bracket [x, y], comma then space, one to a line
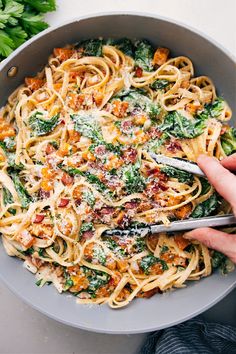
[22, 329]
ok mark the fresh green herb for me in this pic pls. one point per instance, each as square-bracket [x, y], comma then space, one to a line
[228, 141]
[177, 125]
[20, 20]
[38, 283]
[42, 126]
[88, 196]
[159, 84]
[134, 181]
[182, 176]
[206, 208]
[24, 196]
[149, 261]
[8, 199]
[41, 5]
[143, 55]
[91, 47]
[12, 165]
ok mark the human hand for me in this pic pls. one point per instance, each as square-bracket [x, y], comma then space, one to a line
[224, 182]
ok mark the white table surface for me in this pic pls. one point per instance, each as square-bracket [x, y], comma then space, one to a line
[24, 330]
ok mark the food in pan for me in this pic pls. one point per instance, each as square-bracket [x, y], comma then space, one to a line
[75, 145]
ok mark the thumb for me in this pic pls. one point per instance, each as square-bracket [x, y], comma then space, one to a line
[215, 239]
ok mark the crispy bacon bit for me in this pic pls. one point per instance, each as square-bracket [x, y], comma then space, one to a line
[38, 218]
[34, 83]
[66, 179]
[120, 108]
[87, 235]
[25, 239]
[50, 149]
[154, 133]
[43, 194]
[160, 56]
[138, 71]
[106, 210]
[130, 155]
[173, 146]
[100, 150]
[131, 205]
[154, 187]
[126, 126]
[63, 202]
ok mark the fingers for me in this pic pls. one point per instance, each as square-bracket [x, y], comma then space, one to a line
[223, 180]
[229, 162]
[215, 239]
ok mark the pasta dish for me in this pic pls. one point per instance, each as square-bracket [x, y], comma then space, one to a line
[75, 143]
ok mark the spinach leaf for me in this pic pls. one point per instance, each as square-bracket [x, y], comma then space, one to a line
[41, 126]
[8, 199]
[228, 141]
[24, 196]
[8, 144]
[86, 226]
[89, 198]
[212, 110]
[139, 244]
[91, 47]
[68, 284]
[93, 179]
[154, 145]
[143, 55]
[205, 208]
[114, 246]
[177, 125]
[159, 84]
[219, 260]
[205, 185]
[134, 181]
[182, 176]
[150, 260]
[138, 100]
[87, 126]
[125, 45]
[99, 254]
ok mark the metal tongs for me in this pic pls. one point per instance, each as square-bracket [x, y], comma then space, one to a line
[176, 226]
